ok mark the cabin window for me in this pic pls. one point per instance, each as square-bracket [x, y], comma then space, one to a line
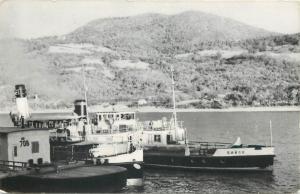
[130, 127]
[50, 124]
[66, 123]
[105, 117]
[100, 117]
[15, 151]
[157, 138]
[35, 147]
[123, 127]
[30, 124]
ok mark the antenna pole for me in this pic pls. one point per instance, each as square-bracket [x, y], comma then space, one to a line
[174, 102]
[85, 93]
[271, 140]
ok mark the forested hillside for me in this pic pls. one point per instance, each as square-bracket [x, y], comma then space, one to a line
[218, 61]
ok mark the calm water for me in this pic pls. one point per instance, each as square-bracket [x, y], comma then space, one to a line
[253, 128]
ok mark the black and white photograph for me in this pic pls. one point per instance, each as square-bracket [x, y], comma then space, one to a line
[149, 96]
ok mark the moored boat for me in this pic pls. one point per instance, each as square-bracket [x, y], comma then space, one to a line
[118, 139]
[111, 136]
[166, 145]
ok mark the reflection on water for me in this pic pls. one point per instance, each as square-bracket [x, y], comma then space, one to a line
[180, 181]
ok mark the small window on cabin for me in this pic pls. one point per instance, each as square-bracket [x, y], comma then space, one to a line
[130, 127]
[35, 147]
[15, 151]
[50, 124]
[105, 117]
[100, 117]
[30, 124]
[157, 138]
[66, 124]
[123, 127]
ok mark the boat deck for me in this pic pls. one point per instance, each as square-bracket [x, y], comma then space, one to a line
[81, 172]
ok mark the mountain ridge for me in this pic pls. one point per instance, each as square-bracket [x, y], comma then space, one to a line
[156, 31]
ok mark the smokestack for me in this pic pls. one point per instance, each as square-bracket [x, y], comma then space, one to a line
[80, 108]
[21, 101]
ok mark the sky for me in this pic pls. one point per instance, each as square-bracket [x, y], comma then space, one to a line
[37, 18]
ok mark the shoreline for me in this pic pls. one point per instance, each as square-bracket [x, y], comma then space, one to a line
[232, 109]
[160, 109]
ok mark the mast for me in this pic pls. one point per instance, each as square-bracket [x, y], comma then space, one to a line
[85, 93]
[271, 135]
[174, 102]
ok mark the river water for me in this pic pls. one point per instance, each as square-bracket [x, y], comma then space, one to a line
[253, 128]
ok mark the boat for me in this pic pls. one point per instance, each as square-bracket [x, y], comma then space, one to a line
[74, 136]
[166, 146]
[117, 141]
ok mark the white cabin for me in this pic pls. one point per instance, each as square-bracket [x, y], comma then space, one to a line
[115, 127]
[162, 132]
[24, 145]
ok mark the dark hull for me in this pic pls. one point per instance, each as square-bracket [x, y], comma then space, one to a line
[132, 172]
[208, 162]
[108, 182]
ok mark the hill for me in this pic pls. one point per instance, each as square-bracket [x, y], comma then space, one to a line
[150, 34]
[219, 63]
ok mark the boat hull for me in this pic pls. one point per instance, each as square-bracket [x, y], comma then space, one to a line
[134, 170]
[208, 162]
[135, 173]
[133, 162]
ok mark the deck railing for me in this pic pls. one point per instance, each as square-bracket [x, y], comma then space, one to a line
[208, 145]
[12, 165]
[159, 125]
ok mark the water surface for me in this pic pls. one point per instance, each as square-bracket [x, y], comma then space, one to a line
[253, 128]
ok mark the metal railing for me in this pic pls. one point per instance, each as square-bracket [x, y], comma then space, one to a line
[12, 165]
[208, 145]
[160, 125]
